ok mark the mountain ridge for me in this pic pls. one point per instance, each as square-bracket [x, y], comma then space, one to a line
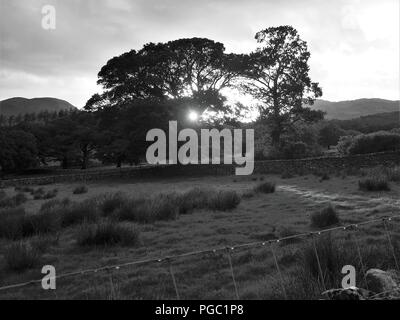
[352, 109]
[19, 105]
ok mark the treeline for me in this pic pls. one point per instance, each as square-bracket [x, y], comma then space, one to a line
[111, 135]
[41, 117]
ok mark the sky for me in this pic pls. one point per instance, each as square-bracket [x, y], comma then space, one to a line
[354, 44]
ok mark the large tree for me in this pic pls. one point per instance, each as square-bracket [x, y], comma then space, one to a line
[197, 68]
[278, 76]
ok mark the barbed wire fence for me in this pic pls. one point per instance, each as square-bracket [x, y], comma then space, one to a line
[270, 245]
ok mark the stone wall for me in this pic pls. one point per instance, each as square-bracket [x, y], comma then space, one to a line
[303, 166]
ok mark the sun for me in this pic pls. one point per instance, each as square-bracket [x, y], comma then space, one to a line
[193, 116]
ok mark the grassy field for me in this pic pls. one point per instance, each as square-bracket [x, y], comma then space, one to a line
[258, 217]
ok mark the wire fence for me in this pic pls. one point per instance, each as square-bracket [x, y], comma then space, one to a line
[272, 246]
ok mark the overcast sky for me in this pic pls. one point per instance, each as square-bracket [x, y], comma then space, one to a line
[354, 44]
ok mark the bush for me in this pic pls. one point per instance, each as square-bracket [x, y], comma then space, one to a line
[2, 194]
[325, 218]
[374, 142]
[107, 233]
[374, 184]
[81, 190]
[20, 257]
[266, 187]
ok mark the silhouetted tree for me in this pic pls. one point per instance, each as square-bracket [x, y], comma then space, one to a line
[197, 68]
[278, 76]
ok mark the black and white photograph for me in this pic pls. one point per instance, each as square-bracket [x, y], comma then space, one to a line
[221, 151]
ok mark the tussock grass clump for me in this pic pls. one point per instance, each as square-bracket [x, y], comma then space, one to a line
[266, 187]
[325, 177]
[224, 201]
[16, 224]
[199, 198]
[77, 213]
[193, 199]
[11, 223]
[112, 201]
[21, 256]
[81, 190]
[325, 218]
[107, 233]
[287, 175]
[3, 194]
[13, 202]
[40, 194]
[55, 203]
[43, 242]
[393, 174]
[148, 210]
[374, 184]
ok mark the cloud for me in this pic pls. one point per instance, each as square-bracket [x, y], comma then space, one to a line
[354, 44]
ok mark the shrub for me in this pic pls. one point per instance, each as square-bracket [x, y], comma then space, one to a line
[324, 218]
[107, 233]
[266, 187]
[374, 142]
[81, 189]
[2, 194]
[20, 257]
[374, 184]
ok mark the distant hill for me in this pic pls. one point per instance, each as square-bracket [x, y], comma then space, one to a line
[16, 106]
[376, 122]
[344, 110]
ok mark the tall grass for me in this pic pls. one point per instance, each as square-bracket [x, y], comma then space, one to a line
[374, 184]
[266, 187]
[16, 224]
[13, 202]
[325, 218]
[21, 256]
[107, 233]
